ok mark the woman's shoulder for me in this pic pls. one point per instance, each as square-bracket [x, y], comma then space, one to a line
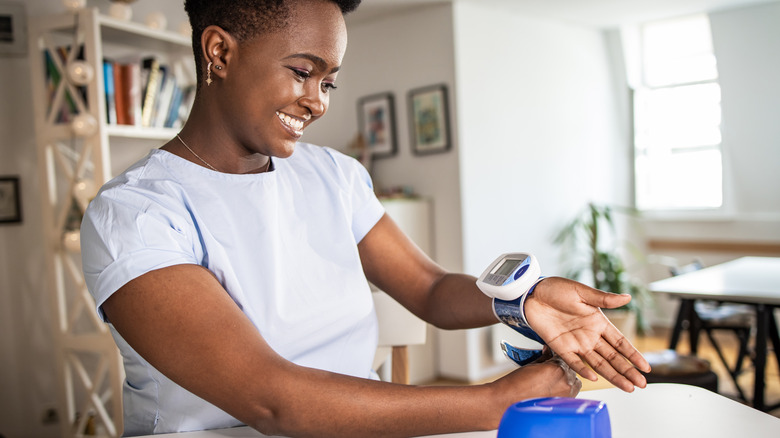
[150, 179]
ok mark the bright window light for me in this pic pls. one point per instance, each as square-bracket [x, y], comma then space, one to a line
[677, 117]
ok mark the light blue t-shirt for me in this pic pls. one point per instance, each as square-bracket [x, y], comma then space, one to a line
[283, 244]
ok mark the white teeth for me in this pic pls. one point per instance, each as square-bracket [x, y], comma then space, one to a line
[293, 123]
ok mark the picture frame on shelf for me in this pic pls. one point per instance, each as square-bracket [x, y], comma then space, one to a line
[13, 29]
[376, 123]
[10, 201]
[429, 119]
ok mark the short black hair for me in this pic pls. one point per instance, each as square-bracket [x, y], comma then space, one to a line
[243, 19]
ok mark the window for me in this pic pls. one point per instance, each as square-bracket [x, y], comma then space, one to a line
[677, 117]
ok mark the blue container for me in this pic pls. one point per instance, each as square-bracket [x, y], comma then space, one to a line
[556, 417]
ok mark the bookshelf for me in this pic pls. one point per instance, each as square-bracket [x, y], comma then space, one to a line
[75, 137]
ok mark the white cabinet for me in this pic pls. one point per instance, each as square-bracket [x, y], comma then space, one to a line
[75, 142]
[413, 216]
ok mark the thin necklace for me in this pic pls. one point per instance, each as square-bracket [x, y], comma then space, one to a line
[265, 169]
[196, 155]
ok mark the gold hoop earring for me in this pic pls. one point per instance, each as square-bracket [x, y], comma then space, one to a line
[208, 73]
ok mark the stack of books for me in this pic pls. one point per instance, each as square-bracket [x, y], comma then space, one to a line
[145, 93]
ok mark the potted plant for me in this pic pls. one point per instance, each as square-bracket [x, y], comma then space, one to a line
[589, 246]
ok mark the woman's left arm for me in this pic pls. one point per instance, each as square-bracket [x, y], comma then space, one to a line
[566, 314]
[396, 265]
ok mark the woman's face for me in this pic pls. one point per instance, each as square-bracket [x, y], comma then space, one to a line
[281, 82]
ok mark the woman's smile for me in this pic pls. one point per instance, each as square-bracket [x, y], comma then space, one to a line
[291, 123]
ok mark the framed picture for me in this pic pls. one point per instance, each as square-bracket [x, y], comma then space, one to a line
[10, 204]
[429, 119]
[13, 29]
[377, 124]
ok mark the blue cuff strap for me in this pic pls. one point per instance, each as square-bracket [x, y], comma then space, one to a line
[512, 313]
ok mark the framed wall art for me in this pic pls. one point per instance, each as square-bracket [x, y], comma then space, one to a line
[429, 119]
[376, 114]
[10, 202]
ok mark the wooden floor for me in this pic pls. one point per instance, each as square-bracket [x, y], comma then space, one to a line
[659, 340]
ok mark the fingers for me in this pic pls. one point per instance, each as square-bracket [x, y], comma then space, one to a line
[624, 347]
[616, 368]
[580, 367]
[604, 300]
[606, 361]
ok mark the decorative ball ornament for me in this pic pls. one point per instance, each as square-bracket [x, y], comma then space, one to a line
[84, 125]
[71, 241]
[185, 29]
[74, 5]
[80, 73]
[121, 11]
[156, 20]
[83, 192]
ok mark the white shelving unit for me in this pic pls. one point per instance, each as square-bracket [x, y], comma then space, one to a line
[73, 163]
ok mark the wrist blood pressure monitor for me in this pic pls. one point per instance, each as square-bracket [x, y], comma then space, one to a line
[509, 280]
[510, 276]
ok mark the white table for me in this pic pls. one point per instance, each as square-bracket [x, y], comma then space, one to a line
[749, 280]
[661, 410]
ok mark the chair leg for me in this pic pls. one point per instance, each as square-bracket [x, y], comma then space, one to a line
[774, 335]
[694, 330]
[400, 372]
[733, 372]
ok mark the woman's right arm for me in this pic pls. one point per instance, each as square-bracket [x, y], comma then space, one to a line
[182, 322]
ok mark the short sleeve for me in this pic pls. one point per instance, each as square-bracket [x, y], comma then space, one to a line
[366, 208]
[126, 233]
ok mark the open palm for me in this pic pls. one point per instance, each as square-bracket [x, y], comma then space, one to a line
[567, 315]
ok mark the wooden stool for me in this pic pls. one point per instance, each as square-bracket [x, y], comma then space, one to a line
[670, 367]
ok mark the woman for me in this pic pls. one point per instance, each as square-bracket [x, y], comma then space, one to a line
[231, 264]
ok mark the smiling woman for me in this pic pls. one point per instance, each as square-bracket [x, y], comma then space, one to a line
[233, 263]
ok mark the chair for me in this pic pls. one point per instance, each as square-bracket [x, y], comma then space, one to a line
[398, 328]
[709, 317]
[668, 366]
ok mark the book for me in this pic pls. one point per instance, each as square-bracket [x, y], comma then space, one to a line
[108, 83]
[164, 102]
[187, 100]
[151, 67]
[165, 75]
[121, 96]
[173, 111]
[127, 92]
[132, 72]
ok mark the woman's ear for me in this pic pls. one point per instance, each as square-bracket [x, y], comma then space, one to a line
[218, 47]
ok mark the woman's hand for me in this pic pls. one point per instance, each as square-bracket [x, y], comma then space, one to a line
[567, 315]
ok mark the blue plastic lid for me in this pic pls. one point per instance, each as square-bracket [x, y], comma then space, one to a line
[554, 417]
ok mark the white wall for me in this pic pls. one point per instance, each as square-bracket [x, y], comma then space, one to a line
[745, 42]
[26, 368]
[540, 136]
[539, 128]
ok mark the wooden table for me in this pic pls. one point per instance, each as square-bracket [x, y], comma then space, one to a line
[748, 280]
[660, 410]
